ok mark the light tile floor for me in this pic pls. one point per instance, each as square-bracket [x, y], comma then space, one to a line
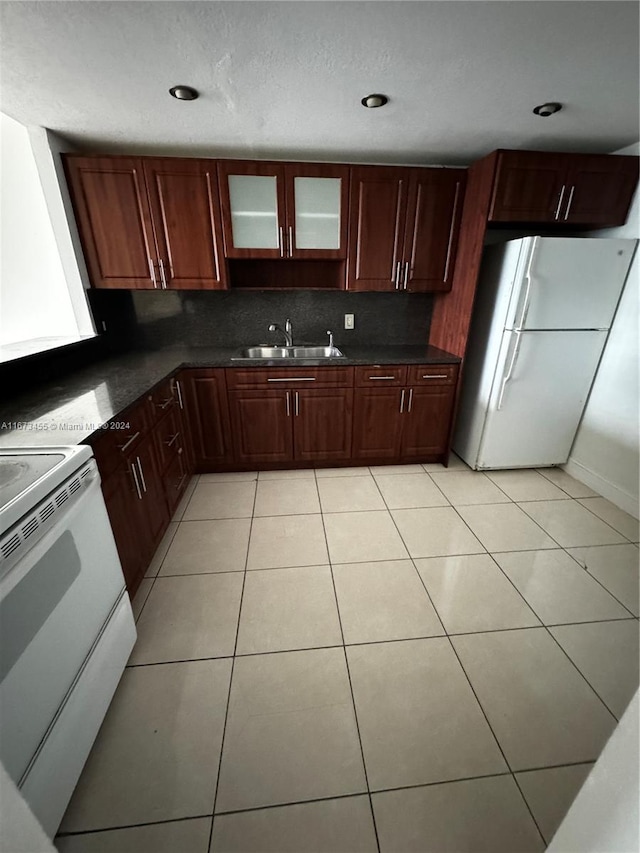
[393, 659]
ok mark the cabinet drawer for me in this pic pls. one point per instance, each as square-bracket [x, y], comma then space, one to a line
[123, 434]
[168, 438]
[380, 376]
[160, 400]
[432, 374]
[290, 377]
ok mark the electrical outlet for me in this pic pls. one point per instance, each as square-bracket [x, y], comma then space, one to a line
[349, 321]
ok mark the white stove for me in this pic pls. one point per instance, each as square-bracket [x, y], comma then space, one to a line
[66, 626]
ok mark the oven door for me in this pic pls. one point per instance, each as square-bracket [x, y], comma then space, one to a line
[54, 604]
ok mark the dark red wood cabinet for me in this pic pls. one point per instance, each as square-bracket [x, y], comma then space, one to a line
[277, 418]
[144, 471]
[203, 393]
[148, 223]
[403, 228]
[403, 415]
[282, 211]
[565, 189]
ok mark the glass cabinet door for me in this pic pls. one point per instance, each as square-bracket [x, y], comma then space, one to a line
[317, 213]
[252, 199]
[317, 210]
[254, 212]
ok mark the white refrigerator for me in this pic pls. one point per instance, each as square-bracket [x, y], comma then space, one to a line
[542, 314]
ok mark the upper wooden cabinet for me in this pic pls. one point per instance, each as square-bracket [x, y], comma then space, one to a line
[403, 228]
[577, 189]
[278, 210]
[148, 222]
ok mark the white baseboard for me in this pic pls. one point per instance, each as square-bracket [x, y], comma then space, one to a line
[612, 492]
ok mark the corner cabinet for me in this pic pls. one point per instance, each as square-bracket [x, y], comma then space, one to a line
[148, 223]
[403, 228]
[571, 189]
[284, 211]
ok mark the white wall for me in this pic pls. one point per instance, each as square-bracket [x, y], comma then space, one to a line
[605, 451]
[34, 298]
[604, 816]
[47, 147]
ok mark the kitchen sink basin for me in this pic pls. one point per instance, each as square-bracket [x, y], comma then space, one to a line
[290, 352]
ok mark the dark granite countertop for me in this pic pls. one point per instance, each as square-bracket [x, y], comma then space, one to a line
[68, 411]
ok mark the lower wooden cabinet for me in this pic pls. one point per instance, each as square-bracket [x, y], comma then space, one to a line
[426, 423]
[261, 424]
[267, 418]
[290, 425]
[402, 424]
[322, 420]
[376, 425]
[204, 396]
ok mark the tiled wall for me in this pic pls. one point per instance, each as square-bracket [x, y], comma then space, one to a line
[151, 319]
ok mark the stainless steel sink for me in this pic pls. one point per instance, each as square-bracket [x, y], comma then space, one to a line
[266, 352]
[289, 352]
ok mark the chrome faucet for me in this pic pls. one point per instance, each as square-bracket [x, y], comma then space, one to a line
[330, 333]
[274, 327]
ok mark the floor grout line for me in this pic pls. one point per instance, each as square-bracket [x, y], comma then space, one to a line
[346, 661]
[233, 662]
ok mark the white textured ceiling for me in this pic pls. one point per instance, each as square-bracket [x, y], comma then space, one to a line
[285, 79]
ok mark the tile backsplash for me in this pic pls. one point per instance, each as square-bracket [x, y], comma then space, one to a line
[148, 319]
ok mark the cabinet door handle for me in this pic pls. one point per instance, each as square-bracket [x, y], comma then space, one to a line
[179, 390]
[566, 213]
[436, 376]
[406, 276]
[152, 272]
[162, 274]
[297, 403]
[124, 446]
[291, 241]
[132, 466]
[281, 241]
[288, 399]
[381, 377]
[294, 379]
[402, 402]
[144, 485]
[163, 405]
[410, 400]
[557, 213]
[454, 214]
[396, 277]
[172, 439]
[182, 479]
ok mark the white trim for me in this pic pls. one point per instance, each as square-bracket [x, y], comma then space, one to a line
[610, 491]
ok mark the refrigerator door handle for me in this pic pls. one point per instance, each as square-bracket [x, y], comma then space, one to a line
[509, 373]
[527, 292]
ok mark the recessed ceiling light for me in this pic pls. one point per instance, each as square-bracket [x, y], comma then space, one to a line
[184, 93]
[373, 101]
[549, 109]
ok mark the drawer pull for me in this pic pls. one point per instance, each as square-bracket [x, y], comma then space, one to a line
[124, 446]
[294, 379]
[172, 439]
[436, 376]
[382, 377]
